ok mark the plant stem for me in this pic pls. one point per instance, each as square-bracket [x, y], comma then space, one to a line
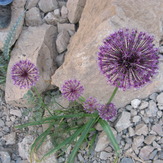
[113, 94]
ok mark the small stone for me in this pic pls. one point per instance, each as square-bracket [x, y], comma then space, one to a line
[153, 154]
[31, 3]
[158, 129]
[123, 122]
[80, 157]
[12, 119]
[1, 123]
[144, 104]
[62, 41]
[145, 119]
[108, 149]
[159, 114]
[126, 160]
[152, 109]
[57, 12]
[33, 17]
[131, 132]
[128, 107]
[135, 103]
[24, 146]
[136, 119]
[17, 113]
[155, 145]
[5, 157]
[157, 161]
[160, 106]
[60, 59]
[64, 12]
[138, 140]
[160, 98]
[145, 152]
[141, 129]
[75, 8]
[142, 112]
[105, 155]
[48, 5]
[133, 112]
[102, 142]
[153, 96]
[149, 139]
[6, 129]
[68, 27]
[10, 138]
[160, 154]
[98, 127]
[50, 19]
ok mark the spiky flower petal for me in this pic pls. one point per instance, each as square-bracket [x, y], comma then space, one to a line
[24, 74]
[128, 58]
[90, 105]
[72, 90]
[107, 112]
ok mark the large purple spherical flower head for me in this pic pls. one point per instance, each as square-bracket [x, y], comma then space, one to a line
[72, 90]
[90, 105]
[24, 74]
[128, 58]
[107, 112]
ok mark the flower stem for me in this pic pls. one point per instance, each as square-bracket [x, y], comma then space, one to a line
[113, 94]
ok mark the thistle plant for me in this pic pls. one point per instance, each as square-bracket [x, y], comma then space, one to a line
[128, 59]
[24, 74]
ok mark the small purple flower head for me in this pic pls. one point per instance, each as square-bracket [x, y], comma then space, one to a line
[90, 105]
[72, 90]
[24, 74]
[107, 112]
[128, 58]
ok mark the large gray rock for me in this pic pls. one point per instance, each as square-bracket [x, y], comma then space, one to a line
[17, 10]
[38, 45]
[97, 21]
[75, 8]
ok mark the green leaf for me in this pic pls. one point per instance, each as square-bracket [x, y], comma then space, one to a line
[110, 135]
[64, 143]
[39, 140]
[86, 130]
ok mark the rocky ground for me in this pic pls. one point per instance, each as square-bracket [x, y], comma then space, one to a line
[138, 129]
[139, 125]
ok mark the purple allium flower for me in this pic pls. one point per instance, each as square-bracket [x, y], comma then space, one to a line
[24, 74]
[72, 90]
[128, 58]
[90, 105]
[107, 112]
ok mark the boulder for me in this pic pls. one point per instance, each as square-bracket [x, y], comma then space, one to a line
[36, 44]
[17, 10]
[98, 21]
